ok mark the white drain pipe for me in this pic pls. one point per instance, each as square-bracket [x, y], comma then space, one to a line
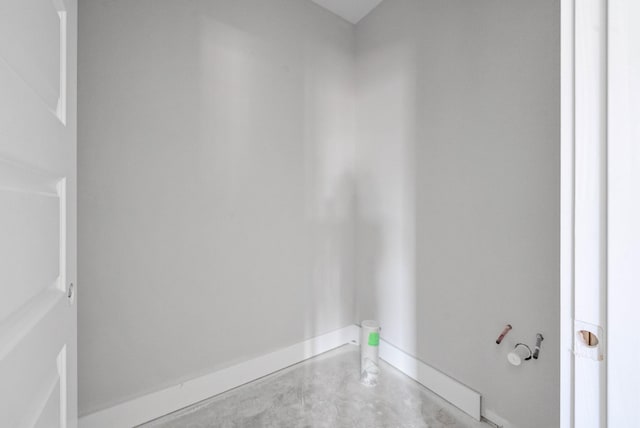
[369, 344]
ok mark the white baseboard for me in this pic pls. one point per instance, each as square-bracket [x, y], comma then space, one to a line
[152, 406]
[461, 396]
[497, 420]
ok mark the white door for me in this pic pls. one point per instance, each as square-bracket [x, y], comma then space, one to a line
[623, 297]
[37, 213]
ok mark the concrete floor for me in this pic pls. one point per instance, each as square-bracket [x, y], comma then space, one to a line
[323, 392]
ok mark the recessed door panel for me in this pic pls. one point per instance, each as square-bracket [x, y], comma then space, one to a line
[30, 36]
[34, 374]
[50, 416]
[30, 224]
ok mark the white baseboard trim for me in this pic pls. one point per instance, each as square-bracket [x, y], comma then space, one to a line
[152, 406]
[157, 404]
[497, 420]
[456, 393]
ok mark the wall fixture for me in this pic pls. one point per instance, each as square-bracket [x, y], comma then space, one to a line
[519, 354]
[506, 331]
[536, 351]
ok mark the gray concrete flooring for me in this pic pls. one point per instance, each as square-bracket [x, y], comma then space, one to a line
[323, 392]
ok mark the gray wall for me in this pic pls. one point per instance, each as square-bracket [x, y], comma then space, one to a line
[220, 199]
[216, 187]
[458, 191]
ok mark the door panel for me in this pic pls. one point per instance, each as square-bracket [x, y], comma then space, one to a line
[31, 32]
[28, 398]
[30, 225]
[51, 412]
[37, 213]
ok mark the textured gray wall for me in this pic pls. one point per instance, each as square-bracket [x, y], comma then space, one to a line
[215, 198]
[459, 191]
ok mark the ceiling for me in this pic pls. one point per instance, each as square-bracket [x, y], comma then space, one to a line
[351, 10]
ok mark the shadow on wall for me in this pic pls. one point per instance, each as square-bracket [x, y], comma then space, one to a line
[386, 207]
[458, 190]
[329, 157]
[331, 282]
[386, 192]
[245, 76]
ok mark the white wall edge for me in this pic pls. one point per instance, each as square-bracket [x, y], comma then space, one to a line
[157, 404]
[456, 393]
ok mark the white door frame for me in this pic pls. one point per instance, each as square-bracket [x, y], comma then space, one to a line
[600, 231]
[584, 212]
